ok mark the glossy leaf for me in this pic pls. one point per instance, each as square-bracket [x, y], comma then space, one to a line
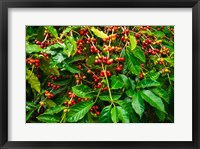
[40, 33]
[50, 103]
[138, 104]
[148, 83]
[31, 48]
[153, 100]
[105, 116]
[133, 41]
[123, 115]
[78, 111]
[33, 81]
[159, 34]
[114, 114]
[71, 68]
[54, 110]
[53, 31]
[116, 82]
[161, 93]
[125, 80]
[82, 91]
[139, 54]
[99, 33]
[132, 64]
[48, 118]
[75, 58]
[106, 97]
[45, 67]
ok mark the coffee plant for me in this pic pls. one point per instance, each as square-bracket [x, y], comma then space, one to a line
[99, 74]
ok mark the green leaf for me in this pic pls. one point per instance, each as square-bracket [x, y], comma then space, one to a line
[60, 100]
[139, 54]
[69, 48]
[133, 41]
[153, 100]
[53, 31]
[45, 67]
[123, 115]
[29, 114]
[127, 106]
[90, 60]
[161, 93]
[114, 115]
[62, 82]
[138, 104]
[160, 115]
[50, 103]
[148, 83]
[170, 61]
[82, 91]
[133, 64]
[106, 97]
[33, 80]
[125, 80]
[48, 118]
[78, 111]
[153, 75]
[55, 92]
[30, 105]
[159, 34]
[116, 82]
[40, 33]
[31, 48]
[59, 58]
[72, 41]
[99, 33]
[71, 68]
[54, 110]
[105, 116]
[55, 46]
[75, 58]
[68, 29]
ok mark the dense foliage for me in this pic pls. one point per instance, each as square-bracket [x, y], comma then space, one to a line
[100, 74]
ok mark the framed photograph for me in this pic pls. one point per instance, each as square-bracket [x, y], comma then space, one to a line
[103, 74]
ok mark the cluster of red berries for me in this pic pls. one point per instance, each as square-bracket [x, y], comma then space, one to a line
[94, 110]
[83, 32]
[103, 59]
[31, 61]
[111, 28]
[164, 50]
[146, 43]
[54, 86]
[111, 48]
[80, 46]
[153, 51]
[96, 78]
[71, 95]
[69, 103]
[145, 28]
[119, 68]
[93, 49]
[48, 94]
[107, 73]
[137, 35]
[79, 78]
[45, 55]
[91, 40]
[45, 43]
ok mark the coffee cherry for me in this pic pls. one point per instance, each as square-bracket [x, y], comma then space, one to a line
[65, 111]
[41, 103]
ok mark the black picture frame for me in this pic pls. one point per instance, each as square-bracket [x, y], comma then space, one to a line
[5, 4]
